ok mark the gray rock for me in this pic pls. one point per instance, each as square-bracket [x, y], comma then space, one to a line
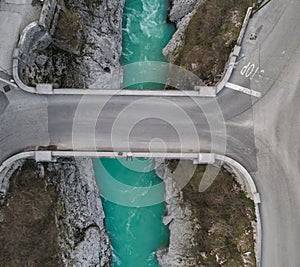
[181, 222]
[41, 60]
[82, 237]
[177, 41]
[88, 250]
[180, 8]
[180, 13]
[88, 57]
[102, 47]
[83, 240]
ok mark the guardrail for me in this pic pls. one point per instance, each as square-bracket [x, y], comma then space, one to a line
[51, 155]
[202, 91]
[235, 53]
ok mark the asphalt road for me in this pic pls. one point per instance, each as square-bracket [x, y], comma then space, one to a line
[14, 16]
[276, 52]
[179, 124]
[260, 133]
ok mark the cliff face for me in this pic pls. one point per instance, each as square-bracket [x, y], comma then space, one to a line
[207, 31]
[51, 215]
[183, 250]
[82, 240]
[211, 228]
[101, 35]
[86, 46]
[180, 8]
[180, 13]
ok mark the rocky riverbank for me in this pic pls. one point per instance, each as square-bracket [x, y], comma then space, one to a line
[207, 31]
[84, 49]
[83, 240]
[212, 228]
[180, 13]
[52, 216]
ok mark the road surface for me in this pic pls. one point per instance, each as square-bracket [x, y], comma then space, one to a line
[262, 133]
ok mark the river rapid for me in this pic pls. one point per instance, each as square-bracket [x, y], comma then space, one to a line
[132, 194]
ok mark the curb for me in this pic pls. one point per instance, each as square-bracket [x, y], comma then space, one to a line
[51, 155]
[200, 91]
[251, 189]
[235, 53]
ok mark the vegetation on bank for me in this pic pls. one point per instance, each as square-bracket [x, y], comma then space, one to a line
[210, 37]
[28, 233]
[227, 219]
[67, 31]
[226, 215]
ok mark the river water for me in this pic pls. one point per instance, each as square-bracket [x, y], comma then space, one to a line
[131, 193]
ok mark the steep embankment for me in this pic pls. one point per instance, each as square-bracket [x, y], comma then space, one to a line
[28, 234]
[210, 228]
[207, 31]
[215, 227]
[52, 216]
[85, 49]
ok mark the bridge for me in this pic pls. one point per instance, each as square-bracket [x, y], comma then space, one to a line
[253, 120]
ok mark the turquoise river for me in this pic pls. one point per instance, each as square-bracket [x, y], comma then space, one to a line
[133, 210]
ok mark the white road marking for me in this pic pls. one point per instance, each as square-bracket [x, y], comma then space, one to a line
[249, 70]
[243, 89]
[8, 82]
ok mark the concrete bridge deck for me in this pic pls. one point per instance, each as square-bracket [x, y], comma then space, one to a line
[262, 133]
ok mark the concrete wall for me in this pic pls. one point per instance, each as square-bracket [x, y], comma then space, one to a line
[33, 39]
[49, 15]
[235, 53]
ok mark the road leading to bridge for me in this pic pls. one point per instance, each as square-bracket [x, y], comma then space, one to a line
[259, 132]
[180, 124]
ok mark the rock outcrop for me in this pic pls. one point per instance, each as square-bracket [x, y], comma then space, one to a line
[85, 49]
[79, 217]
[180, 13]
[211, 228]
[183, 225]
[83, 240]
[180, 8]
